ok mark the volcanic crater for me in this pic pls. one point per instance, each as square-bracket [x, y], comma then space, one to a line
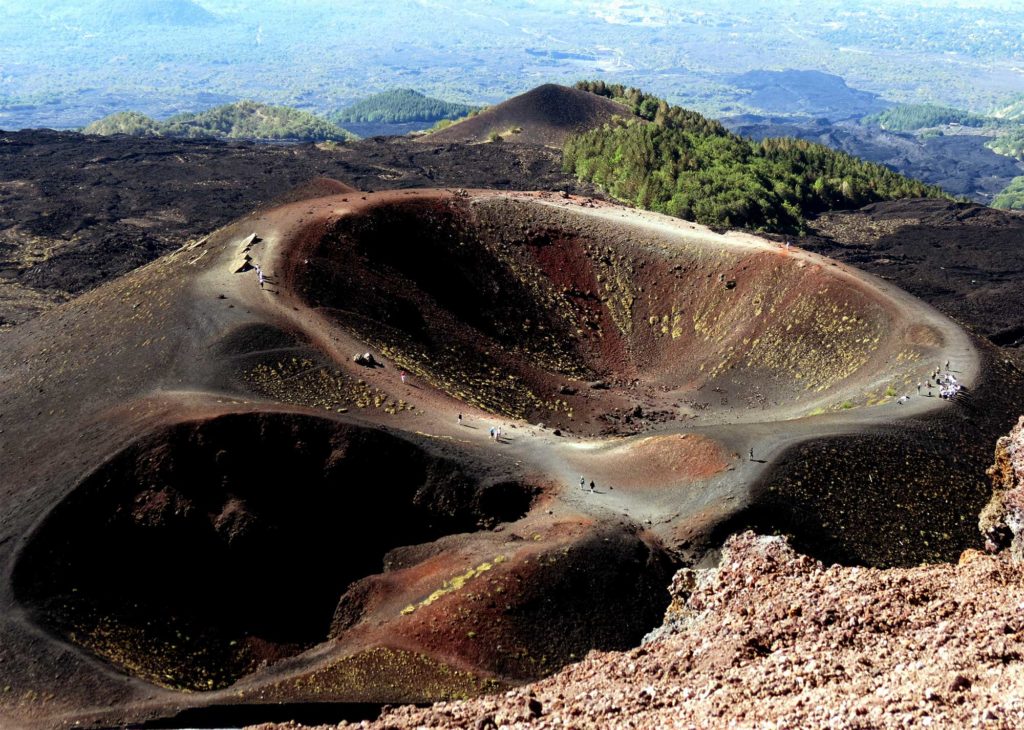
[566, 316]
[251, 510]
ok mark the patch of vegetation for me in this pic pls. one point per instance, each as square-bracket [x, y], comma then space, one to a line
[911, 117]
[445, 123]
[675, 161]
[1010, 143]
[1012, 196]
[132, 123]
[398, 106]
[652, 109]
[455, 584]
[241, 120]
[1012, 109]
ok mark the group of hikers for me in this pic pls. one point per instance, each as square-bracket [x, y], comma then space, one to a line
[949, 386]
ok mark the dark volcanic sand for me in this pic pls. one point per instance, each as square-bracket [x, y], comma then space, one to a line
[964, 259]
[76, 210]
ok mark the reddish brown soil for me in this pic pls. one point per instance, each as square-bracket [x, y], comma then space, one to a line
[518, 307]
[547, 115]
[657, 462]
[774, 639]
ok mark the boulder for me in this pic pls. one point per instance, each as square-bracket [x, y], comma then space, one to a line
[1002, 520]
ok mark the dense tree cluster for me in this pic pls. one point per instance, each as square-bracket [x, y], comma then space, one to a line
[911, 117]
[649, 107]
[398, 106]
[1012, 196]
[673, 161]
[1010, 143]
[133, 123]
[241, 120]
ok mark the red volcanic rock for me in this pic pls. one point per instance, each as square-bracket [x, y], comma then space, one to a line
[1002, 520]
[773, 639]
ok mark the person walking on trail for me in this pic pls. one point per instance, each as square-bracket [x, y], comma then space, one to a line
[492, 433]
[402, 375]
[591, 486]
[460, 419]
[497, 434]
[583, 482]
[259, 274]
[751, 453]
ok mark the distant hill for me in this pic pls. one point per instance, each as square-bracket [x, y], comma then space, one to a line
[133, 123]
[114, 15]
[547, 115]
[1012, 110]
[400, 106]
[240, 120]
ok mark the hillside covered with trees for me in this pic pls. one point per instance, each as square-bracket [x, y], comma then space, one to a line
[911, 117]
[675, 161]
[400, 106]
[241, 120]
[1010, 143]
[1012, 197]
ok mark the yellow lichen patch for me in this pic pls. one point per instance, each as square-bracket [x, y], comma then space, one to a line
[454, 584]
[175, 657]
[485, 385]
[615, 273]
[308, 383]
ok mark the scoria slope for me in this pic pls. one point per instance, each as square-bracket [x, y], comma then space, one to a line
[546, 115]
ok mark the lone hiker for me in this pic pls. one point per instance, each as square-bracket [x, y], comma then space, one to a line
[402, 375]
[460, 419]
[751, 453]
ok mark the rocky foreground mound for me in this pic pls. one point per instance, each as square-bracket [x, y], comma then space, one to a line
[774, 639]
[1002, 520]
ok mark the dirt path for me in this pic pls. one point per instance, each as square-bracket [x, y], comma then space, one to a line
[697, 468]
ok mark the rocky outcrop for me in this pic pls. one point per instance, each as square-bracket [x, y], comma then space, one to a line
[1002, 521]
[773, 639]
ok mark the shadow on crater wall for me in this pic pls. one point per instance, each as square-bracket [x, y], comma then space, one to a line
[211, 547]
